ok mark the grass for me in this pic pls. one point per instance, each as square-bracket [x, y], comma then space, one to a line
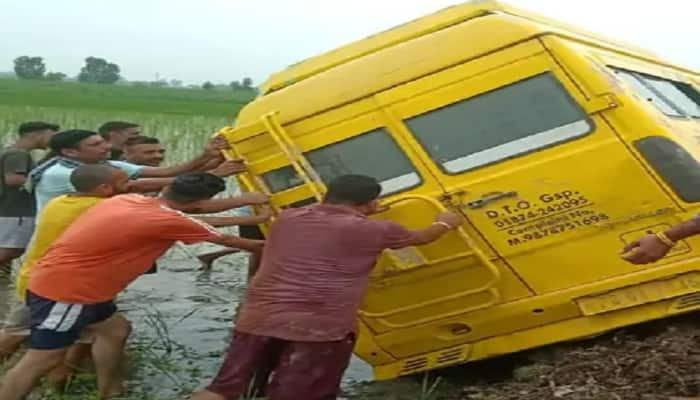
[182, 118]
[74, 96]
[154, 362]
[183, 135]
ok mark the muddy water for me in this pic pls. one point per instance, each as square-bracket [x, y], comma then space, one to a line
[192, 310]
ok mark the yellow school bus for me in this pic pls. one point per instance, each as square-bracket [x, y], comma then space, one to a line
[557, 145]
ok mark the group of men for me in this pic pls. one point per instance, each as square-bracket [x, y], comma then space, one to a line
[295, 333]
[85, 171]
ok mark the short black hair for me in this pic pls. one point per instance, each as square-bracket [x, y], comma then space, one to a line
[68, 139]
[87, 177]
[136, 140]
[194, 186]
[355, 190]
[111, 126]
[36, 126]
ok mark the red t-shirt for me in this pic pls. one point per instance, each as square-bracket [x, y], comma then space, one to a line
[109, 246]
[314, 273]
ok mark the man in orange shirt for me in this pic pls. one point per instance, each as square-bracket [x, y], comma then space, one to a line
[74, 285]
[93, 184]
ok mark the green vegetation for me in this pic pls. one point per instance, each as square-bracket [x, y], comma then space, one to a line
[182, 118]
[183, 135]
[123, 99]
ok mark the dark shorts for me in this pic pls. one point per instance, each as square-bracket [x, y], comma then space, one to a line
[252, 232]
[283, 370]
[56, 325]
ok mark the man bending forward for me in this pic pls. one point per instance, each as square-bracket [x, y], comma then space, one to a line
[74, 285]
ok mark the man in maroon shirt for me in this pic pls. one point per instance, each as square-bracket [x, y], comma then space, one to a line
[298, 324]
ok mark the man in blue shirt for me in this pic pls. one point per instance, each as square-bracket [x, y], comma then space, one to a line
[70, 149]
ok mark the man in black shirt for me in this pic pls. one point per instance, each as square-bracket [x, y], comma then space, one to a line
[17, 205]
[117, 133]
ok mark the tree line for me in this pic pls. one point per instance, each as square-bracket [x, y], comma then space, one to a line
[95, 70]
[99, 70]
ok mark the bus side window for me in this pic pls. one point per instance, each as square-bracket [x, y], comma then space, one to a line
[373, 153]
[507, 122]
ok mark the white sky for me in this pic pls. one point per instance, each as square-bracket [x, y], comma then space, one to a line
[223, 40]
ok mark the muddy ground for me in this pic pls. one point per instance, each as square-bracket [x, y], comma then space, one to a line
[182, 320]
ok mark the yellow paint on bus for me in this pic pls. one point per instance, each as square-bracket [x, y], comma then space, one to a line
[557, 145]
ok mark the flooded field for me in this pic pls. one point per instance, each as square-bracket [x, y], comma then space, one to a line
[191, 311]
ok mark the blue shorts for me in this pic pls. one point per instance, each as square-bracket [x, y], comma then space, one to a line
[56, 325]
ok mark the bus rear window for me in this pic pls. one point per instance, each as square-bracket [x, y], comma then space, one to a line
[673, 98]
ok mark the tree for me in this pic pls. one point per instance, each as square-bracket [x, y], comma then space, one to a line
[247, 83]
[208, 85]
[98, 70]
[176, 83]
[30, 67]
[235, 85]
[55, 76]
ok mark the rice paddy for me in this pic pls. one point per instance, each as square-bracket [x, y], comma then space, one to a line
[182, 118]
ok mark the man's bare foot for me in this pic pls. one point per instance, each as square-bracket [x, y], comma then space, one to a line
[207, 395]
[207, 261]
[117, 390]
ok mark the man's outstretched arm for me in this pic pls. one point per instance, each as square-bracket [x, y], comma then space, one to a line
[212, 151]
[253, 246]
[220, 205]
[651, 248]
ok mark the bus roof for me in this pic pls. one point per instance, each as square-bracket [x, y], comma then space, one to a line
[423, 26]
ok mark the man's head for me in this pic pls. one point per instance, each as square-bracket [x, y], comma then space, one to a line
[84, 146]
[357, 191]
[191, 189]
[99, 180]
[39, 132]
[118, 132]
[144, 150]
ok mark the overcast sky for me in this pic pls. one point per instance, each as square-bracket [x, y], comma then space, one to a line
[223, 40]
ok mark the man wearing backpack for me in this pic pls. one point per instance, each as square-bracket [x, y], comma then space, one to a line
[17, 205]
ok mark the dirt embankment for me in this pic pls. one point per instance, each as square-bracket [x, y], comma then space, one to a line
[655, 361]
[659, 360]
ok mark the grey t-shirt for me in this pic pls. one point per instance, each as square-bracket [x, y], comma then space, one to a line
[15, 201]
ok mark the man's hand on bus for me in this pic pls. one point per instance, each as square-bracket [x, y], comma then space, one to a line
[216, 145]
[264, 213]
[454, 220]
[253, 198]
[444, 223]
[646, 250]
[653, 247]
[228, 168]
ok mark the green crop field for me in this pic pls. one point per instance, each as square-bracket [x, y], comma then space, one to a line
[112, 98]
[181, 118]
